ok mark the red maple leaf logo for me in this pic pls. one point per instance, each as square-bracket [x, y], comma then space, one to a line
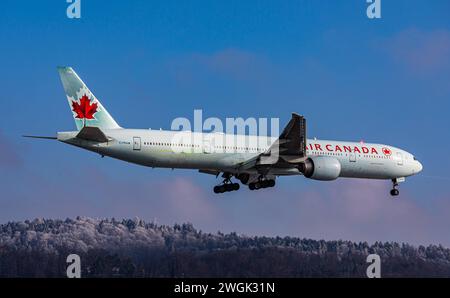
[387, 151]
[84, 109]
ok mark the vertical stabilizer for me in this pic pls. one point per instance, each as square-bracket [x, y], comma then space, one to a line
[85, 107]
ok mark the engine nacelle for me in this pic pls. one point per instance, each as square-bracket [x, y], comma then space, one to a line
[321, 168]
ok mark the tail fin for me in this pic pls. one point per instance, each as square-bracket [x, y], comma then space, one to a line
[86, 109]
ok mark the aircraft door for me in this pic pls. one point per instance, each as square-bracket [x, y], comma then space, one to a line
[399, 158]
[352, 157]
[136, 143]
[208, 145]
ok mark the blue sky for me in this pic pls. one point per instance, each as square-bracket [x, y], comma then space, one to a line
[149, 62]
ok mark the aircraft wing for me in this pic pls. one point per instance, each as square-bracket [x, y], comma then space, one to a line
[289, 149]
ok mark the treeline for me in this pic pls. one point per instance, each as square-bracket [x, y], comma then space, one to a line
[134, 248]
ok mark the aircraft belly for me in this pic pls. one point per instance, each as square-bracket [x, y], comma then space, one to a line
[170, 159]
[365, 169]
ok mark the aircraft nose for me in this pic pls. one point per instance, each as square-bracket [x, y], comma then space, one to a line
[419, 166]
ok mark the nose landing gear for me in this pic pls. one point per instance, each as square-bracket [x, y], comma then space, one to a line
[394, 191]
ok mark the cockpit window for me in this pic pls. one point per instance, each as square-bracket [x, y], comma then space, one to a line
[414, 158]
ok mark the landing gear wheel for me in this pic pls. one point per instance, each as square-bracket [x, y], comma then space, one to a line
[231, 186]
[226, 185]
[394, 192]
[220, 188]
[262, 183]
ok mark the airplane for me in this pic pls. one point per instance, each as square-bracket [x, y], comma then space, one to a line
[255, 161]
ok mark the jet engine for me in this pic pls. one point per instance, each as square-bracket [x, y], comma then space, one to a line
[321, 168]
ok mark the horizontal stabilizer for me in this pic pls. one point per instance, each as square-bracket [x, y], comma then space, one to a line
[90, 133]
[40, 137]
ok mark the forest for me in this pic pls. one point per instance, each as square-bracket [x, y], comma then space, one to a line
[135, 248]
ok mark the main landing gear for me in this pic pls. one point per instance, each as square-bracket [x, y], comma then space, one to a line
[394, 190]
[226, 185]
[261, 183]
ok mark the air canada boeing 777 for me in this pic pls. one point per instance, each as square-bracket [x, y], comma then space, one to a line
[255, 161]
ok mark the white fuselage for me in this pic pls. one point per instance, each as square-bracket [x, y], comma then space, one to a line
[222, 152]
